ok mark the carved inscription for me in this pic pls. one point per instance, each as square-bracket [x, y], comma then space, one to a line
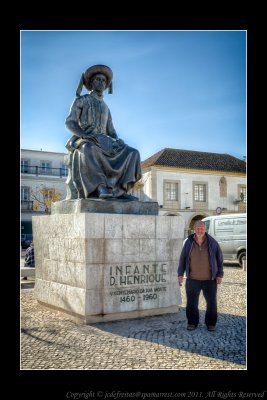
[148, 282]
[125, 275]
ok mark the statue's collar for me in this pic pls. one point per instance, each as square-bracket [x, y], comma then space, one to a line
[96, 96]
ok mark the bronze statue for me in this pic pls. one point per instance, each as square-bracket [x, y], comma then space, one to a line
[100, 164]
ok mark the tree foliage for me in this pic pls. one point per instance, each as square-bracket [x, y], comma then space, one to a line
[44, 197]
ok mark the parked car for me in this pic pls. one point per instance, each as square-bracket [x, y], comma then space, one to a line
[25, 240]
[231, 233]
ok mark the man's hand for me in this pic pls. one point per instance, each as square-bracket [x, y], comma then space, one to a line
[180, 279]
[218, 280]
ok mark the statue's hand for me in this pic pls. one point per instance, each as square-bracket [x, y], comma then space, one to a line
[88, 135]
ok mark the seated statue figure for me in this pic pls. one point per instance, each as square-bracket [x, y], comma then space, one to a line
[100, 164]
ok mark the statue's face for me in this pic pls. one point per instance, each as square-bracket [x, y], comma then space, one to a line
[99, 83]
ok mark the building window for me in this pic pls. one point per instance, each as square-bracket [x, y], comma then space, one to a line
[25, 193]
[45, 168]
[243, 194]
[171, 191]
[24, 166]
[200, 192]
[223, 187]
[171, 194]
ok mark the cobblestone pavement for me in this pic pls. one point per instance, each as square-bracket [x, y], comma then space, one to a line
[50, 340]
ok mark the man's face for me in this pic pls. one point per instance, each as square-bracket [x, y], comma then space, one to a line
[99, 83]
[200, 230]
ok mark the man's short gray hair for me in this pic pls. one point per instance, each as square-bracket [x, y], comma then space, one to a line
[199, 222]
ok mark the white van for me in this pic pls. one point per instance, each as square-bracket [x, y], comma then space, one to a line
[230, 231]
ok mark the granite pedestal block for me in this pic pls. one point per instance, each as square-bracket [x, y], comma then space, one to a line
[102, 266]
[110, 206]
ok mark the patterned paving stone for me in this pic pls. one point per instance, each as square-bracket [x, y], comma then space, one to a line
[50, 340]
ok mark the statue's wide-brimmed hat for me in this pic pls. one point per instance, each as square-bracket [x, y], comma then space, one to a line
[86, 79]
[97, 69]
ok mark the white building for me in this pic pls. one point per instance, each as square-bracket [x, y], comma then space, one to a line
[189, 183]
[194, 184]
[40, 171]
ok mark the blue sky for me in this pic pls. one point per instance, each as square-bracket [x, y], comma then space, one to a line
[177, 89]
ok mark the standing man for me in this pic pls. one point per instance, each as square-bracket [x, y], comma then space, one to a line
[202, 260]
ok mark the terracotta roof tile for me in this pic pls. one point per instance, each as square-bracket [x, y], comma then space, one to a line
[195, 160]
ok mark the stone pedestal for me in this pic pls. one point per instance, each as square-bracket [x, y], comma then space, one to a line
[99, 267]
[107, 206]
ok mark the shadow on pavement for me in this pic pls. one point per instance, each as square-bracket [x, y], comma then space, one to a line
[27, 284]
[232, 264]
[227, 343]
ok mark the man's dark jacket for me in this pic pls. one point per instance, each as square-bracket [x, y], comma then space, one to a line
[215, 257]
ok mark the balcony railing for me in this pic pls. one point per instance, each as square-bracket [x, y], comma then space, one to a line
[35, 170]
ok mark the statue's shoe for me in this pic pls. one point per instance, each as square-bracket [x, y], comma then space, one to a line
[104, 192]
[126, 196]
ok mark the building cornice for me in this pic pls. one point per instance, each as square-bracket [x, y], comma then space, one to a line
[193, 171]
[42, 151]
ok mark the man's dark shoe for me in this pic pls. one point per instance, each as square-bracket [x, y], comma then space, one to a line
[104, 192]
[191, 327]
[212, 328]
